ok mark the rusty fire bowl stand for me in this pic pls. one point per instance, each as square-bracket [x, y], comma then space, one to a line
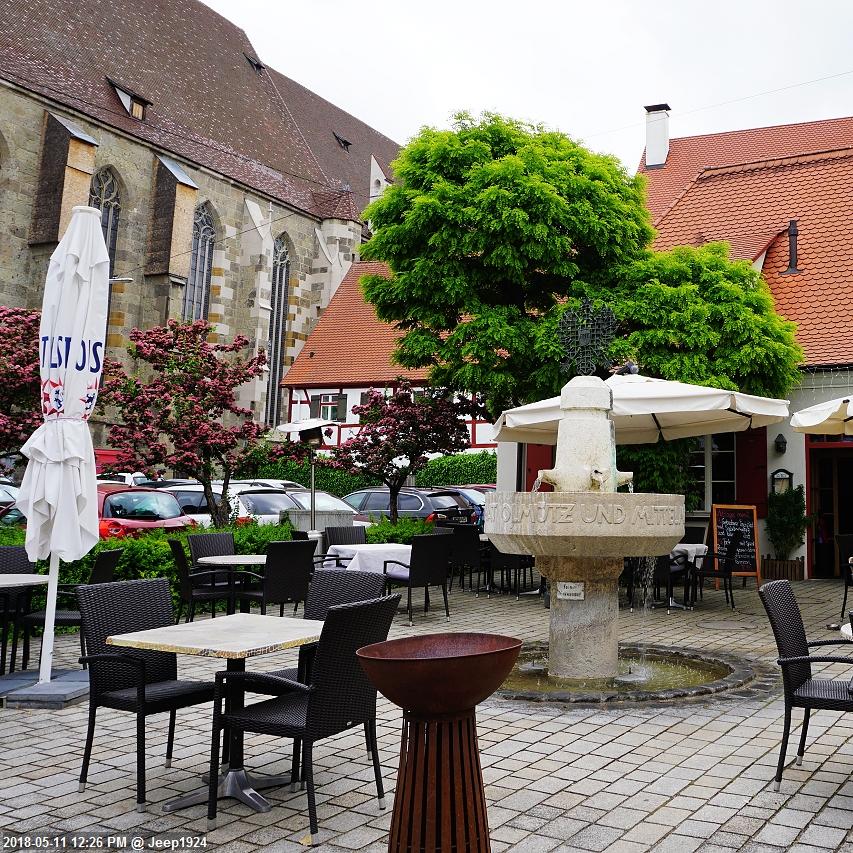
[438, 679]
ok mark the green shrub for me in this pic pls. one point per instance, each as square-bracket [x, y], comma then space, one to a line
[401, 532]
[459, 469]
[149, 555]
[787, 521]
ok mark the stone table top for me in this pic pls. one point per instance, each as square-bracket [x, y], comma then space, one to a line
[8, 581]
[240, 635]
[233, 560]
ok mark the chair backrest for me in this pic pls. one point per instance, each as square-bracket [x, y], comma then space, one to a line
[299, 535]
[210, 545]
[107, 609]
[14, 561]
[288, 570]
[844, 543]
[105, 565]
[430, 560]
[332, 587]
[185, 587]
[341, 696]
[694, 534]
[500, 560]
[787, 624]
[466, 545]
[346, 535]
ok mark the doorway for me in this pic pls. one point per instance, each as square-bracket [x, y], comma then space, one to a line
[831, 503]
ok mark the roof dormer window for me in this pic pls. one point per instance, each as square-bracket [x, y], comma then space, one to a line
[133, 103]
[255, 63]
[344, 143]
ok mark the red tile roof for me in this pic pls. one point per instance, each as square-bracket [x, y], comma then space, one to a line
[349, 345]
[749, 205]
[689, 155]
[208, 103]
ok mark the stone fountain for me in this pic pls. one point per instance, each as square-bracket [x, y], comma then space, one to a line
[581, 532]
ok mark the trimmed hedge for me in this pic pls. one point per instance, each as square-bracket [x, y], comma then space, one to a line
[149, 555]
[326, 478]
[401, 532]
[459, 469]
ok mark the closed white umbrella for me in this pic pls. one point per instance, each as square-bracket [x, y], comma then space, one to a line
[59, 494]
[834, 417]
[646, 409]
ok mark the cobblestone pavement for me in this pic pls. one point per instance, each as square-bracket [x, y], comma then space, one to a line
[679, 777]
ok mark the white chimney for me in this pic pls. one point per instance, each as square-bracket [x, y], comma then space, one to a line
[657, 134]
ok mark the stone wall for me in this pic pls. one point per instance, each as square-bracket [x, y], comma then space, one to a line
[246, 226]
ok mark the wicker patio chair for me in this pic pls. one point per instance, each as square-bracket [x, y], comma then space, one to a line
[13, 561]
[103, 571]
[467, 553]
[139, 682]
[213, 545]
[726, 564]
[844, 543]
[351, 535]
[286, 576]
[328, 588]
[801, 690]
[199, 586]
[338, 698]
[428, 566]
[299, 535]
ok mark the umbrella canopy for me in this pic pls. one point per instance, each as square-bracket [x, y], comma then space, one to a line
[834, 417]
[59, 491]
[646, 409]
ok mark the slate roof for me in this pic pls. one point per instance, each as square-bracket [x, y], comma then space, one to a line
[208, 103]
[349, 345]
[750, 204]
[689, 155]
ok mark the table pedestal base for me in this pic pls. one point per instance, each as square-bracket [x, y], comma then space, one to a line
[238, 784]
[440, 804]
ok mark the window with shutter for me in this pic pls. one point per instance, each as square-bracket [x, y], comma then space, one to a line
[341, 414]
[314, 406]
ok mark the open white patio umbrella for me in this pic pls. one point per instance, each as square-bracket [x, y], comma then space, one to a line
[646, 409]
[59, 494]
[834, 417]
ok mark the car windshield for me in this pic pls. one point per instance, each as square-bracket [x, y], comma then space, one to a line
[474, 496]
[14, 516]
[266, 503]
[141, 506]
[323, 502]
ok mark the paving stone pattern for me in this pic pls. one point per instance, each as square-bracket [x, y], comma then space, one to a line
[678, 777]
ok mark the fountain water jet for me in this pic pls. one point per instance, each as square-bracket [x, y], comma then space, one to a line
[581, 532]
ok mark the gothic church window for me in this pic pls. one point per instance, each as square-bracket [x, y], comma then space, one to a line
[104, 195]
[197, 291]
[278, 326]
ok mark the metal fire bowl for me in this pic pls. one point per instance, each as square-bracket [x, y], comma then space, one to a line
[437, 674]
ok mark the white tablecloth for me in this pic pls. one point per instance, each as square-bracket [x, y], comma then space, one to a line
[370, 558]
[691, 550]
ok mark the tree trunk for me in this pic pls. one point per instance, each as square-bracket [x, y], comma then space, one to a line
[393, 494]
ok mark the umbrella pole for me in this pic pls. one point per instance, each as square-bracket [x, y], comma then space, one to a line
[49, 615]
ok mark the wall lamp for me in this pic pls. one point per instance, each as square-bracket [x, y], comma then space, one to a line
[780, 443]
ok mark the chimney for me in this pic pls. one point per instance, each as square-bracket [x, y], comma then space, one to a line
[793, 232]
[657, 134]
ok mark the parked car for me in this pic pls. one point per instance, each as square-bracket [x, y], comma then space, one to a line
[11, 516]
[476, 500]
[263, 483]
[262, 505]
[429, 504]
[128, 511]
[125, 477]
[8, 495]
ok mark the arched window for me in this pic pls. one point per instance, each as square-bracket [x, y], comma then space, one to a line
[278, 325]
[197, 291]
[104, 194]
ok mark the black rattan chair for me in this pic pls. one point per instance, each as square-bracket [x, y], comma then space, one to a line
[467, 553]
[428, 566]
[338, 698]
[512, 566]
[103, 571]
[140, 682]
[200, 586]
[351, 535]
[286, 576]
[13, 561]
[299, 535]
[726, 564]
[214, 545]
[801, 690]
[844, 544]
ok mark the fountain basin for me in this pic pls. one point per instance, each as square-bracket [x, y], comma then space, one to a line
[584, 524]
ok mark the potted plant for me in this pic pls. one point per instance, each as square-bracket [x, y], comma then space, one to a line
[786, 527]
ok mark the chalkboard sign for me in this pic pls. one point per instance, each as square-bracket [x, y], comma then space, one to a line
[726, 519]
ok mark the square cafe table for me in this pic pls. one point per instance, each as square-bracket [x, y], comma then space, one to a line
[235, 638]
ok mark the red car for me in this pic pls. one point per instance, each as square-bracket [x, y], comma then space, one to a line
[129, 510]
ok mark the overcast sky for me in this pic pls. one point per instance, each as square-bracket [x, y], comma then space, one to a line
[586, 68]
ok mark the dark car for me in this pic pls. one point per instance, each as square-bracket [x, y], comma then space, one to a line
[475, 498]
[429, 504]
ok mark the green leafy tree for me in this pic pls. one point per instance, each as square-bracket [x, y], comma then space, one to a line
[487, 229]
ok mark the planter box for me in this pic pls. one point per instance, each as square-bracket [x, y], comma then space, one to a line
[774, 570]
